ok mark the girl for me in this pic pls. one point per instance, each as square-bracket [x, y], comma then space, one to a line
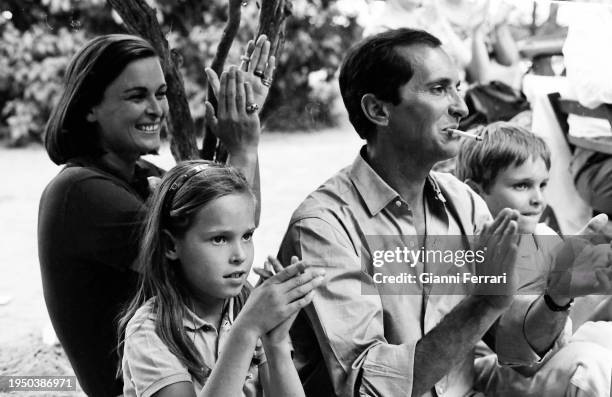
[190, 330]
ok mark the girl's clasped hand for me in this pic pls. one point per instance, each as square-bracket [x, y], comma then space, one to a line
[277, 300]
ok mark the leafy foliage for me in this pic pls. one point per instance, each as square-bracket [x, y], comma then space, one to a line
[305, 89]
[38, 41]
[32, 64]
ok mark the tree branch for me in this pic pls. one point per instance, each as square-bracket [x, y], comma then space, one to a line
[140, 19]
[210, 143]
[272, 22]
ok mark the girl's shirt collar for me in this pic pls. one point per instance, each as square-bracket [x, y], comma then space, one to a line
[193, 322]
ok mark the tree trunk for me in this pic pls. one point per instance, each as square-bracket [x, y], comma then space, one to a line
[140, 19]
[272, 22]
[210, 144]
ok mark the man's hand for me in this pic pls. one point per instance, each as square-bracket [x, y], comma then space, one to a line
[583, 265]
[500, 241]
[580, 268]
[598, 230]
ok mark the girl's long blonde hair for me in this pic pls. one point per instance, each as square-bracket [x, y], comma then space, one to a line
[184, 190]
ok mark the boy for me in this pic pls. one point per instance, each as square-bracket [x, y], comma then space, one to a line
[509, 168]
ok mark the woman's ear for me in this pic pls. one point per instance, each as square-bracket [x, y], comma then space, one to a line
[477, 187]
[169, 244]
[375, 110]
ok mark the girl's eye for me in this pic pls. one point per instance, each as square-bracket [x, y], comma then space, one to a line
[161, 95]
[438, 89]
[521, 186]
[219, 240]
[248, 236]
[543, 185]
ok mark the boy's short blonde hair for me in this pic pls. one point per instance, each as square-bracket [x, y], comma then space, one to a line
[503, 145]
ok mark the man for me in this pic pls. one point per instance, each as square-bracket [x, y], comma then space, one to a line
[401, 92]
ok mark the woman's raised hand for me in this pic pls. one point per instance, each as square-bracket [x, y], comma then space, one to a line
[241, 93]
[280, 297]
[236, 123]
[258, 65]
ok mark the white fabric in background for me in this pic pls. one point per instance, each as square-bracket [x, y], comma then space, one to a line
[588, 60]
[571, 211]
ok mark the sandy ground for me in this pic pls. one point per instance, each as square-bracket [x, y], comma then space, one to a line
[292, 165]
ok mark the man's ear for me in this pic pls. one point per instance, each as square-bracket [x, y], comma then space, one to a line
[477, 187]
[375, 110]
[169, 244]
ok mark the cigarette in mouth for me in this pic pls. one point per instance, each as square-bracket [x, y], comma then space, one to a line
[465, 134]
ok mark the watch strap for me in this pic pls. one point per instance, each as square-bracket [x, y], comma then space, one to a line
[554, 307]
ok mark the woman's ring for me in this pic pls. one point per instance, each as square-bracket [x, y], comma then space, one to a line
[267, 82]
[259, 73]
[252, 108]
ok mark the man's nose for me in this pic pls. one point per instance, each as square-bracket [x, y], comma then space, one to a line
[458, 108]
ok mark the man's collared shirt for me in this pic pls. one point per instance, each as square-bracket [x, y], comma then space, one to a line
[349, 342]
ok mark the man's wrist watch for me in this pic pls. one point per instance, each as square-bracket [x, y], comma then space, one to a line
[550, 303]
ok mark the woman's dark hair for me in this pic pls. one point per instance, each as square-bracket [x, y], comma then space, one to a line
[68, 134]
[374, 66]
[183, 191]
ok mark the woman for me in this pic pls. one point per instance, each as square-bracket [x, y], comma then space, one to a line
[110, 113]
